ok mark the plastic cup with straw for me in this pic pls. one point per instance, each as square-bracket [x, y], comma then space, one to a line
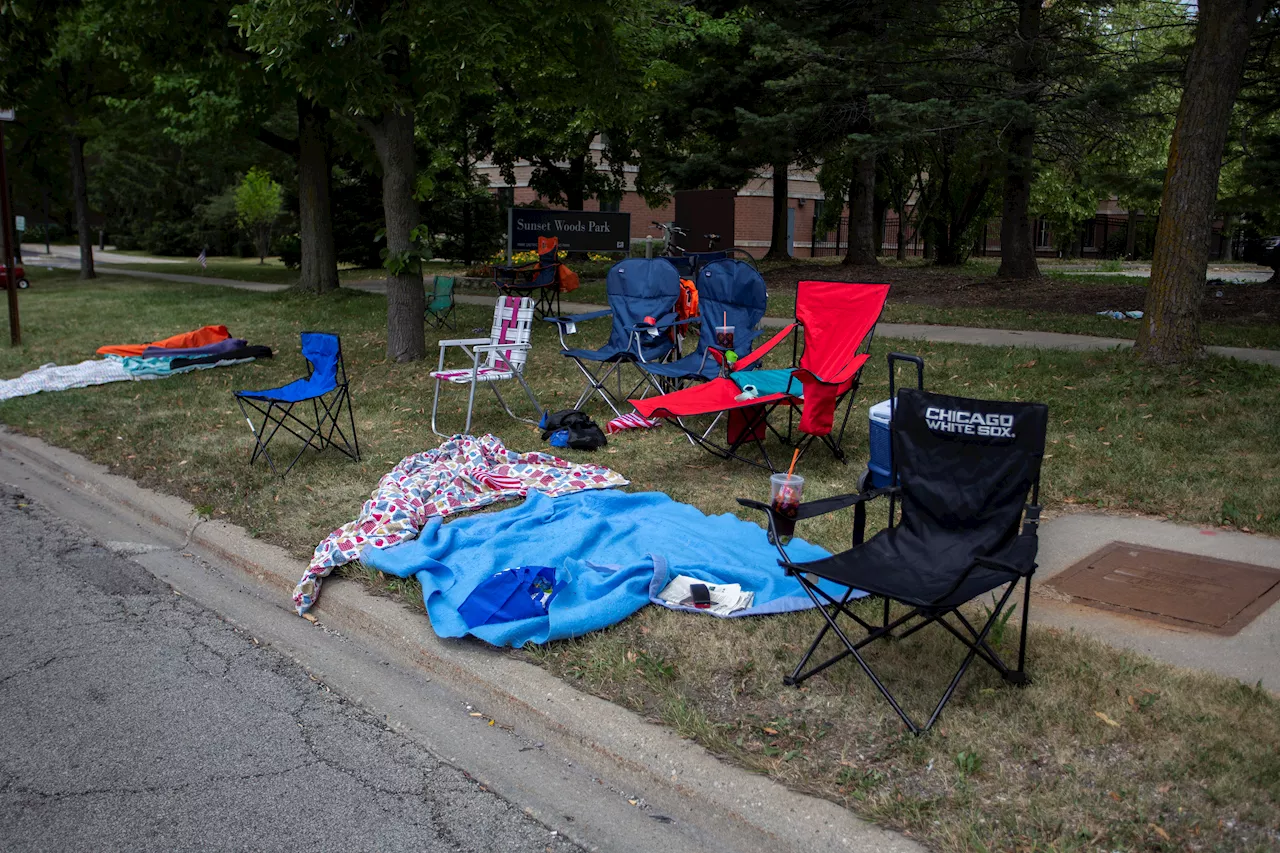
[724, 333]
[786, 492]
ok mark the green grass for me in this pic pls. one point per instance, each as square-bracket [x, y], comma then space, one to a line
[1043, 772]
[244, 269]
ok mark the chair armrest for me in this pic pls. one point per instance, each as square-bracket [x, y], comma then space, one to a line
[998, 565]
[464, 342]
[844, 374]
[666, 322]
[514, 267]
[488, 347]
[578, 318]
[813, 509]
[760, 351]
[823, 506]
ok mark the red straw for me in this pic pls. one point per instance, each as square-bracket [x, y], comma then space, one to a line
[794, 457]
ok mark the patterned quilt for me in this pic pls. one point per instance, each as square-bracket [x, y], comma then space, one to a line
[463, 473]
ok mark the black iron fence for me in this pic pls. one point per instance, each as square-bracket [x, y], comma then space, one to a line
[1104, 236]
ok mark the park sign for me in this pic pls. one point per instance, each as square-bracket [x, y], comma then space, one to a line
[7, 115]
[577, 230]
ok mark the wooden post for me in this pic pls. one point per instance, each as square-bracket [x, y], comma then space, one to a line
[11, 279]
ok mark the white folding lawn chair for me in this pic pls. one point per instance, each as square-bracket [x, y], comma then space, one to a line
[505, 352]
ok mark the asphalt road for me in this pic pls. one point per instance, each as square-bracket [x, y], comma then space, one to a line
[133, 719]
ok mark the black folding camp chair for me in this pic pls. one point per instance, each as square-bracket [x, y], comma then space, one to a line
[963, 470]
[326, 389]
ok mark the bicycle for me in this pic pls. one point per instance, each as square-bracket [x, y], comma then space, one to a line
[734, 252]
[690, 260]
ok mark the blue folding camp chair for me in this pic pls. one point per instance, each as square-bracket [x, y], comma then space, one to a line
[327, 391]
[689, 263]
[730, 294]
[638, 288]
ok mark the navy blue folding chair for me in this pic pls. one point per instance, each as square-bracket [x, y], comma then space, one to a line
[540, 280]
[326, 389]
[731, 302]
[689, 263]
[642, 296]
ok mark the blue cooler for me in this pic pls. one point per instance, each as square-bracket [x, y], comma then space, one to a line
[878, 467]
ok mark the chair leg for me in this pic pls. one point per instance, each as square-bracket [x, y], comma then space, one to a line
[796, 675]
[596, 385]
[493, 386]
[351, 418]
[471, 403]
[977, 646]
[968, 659]
[259, 446]
[349, 447]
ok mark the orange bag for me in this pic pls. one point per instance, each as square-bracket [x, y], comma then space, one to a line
[687, 303]
[568, 279]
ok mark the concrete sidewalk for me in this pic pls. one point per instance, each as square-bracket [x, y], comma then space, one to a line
[903, 331]
[1252, 655]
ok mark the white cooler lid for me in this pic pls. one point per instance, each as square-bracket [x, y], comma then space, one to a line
[880, 412]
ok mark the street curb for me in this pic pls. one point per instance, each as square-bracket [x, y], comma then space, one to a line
[512, 690]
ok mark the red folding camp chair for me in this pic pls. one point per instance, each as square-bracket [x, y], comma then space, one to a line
[838, 320]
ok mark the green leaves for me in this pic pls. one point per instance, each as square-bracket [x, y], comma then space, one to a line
[258, 199]
[258, 203]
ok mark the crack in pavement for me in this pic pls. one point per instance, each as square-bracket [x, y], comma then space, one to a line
[139, 693]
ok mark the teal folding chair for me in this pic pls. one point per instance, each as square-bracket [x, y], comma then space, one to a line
[440, 305]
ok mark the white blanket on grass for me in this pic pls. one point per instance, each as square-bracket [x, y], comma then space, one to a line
[53, 377]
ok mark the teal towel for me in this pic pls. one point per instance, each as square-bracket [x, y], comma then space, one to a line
[769, 381]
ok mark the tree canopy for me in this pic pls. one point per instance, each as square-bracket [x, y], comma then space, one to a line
[962, 116]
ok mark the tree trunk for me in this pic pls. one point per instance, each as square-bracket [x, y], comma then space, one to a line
[1017, 248]
[952, 249]
[315, 220]
[881, 210]
[1171, 331]
[778, 241]
[1131, 235]
[1017, 242]
[1228, 226]
[79, 188]
[862, 214]
[900, 205]
[392, 137]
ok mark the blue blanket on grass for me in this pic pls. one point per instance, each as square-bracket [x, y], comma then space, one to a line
[613, 553]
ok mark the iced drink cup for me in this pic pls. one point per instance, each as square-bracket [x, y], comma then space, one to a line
[724, 337]
[785, 499]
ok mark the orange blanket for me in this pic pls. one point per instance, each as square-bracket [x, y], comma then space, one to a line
[200, 337]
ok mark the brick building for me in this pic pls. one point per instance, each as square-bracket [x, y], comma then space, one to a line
[753, 219]
[753, 206]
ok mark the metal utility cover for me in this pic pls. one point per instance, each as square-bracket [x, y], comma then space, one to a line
[1202, 593]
